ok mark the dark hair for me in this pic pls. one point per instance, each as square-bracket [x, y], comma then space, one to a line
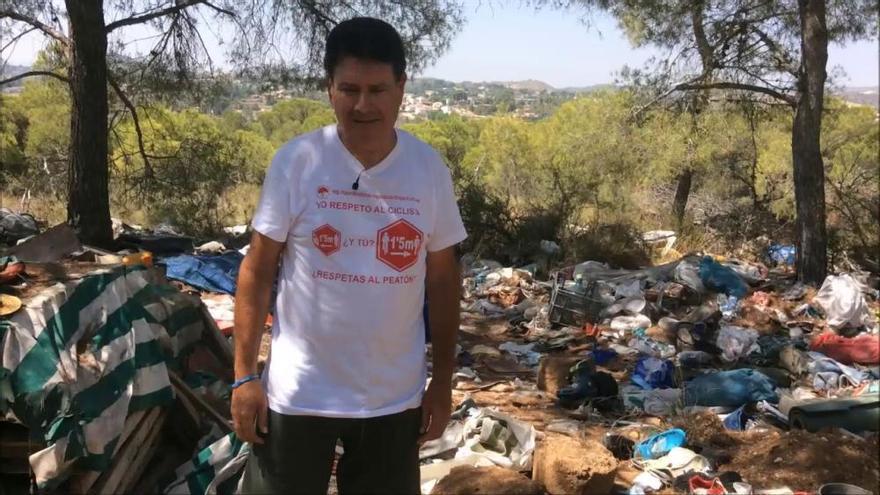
[365, 38]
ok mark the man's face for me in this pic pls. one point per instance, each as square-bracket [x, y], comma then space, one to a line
[366, 98]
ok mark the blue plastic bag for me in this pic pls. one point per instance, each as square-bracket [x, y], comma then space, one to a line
[720, 278]
[781, 254]
[651, 373]
[736, 420]
[602, 356]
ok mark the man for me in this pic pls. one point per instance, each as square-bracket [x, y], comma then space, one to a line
[364, 221]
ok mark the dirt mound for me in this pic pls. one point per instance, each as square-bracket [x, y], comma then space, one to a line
[566, 466]
[467, 480]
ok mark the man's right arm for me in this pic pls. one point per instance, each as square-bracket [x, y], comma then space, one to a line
[253, 292]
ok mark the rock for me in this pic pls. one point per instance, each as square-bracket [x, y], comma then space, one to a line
[568, 465]
[553, 372]
[467, 480]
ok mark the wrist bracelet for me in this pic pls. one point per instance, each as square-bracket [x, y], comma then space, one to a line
[243, 380]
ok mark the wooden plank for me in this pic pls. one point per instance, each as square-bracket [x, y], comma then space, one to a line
[145, 453]
[83, 481]
[216, 341]
[183, 389]
[15, 441]
[124, 457]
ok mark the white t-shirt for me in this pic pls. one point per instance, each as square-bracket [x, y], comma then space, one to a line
[348, 339]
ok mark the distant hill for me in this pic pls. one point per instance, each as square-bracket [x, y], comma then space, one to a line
[588, 89]
[421, 84]
[11, 71]
[866, 95]
[527, 85]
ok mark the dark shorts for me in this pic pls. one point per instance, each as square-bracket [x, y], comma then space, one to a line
[381, 455]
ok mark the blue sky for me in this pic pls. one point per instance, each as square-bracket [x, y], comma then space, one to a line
[557, 48]
[517, 42]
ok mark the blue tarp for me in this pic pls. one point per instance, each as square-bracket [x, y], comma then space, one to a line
[210, 273]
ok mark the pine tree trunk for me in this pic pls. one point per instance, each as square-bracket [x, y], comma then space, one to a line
[88, 206]
[809, 171]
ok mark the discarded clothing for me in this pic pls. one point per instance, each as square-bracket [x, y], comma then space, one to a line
[210, 273]
[829, 374]
[602, 356]
[656, 402]
[736, 342]
[729, 389]
[720, 278]
[586, 384]
[862, 349]
[651, 373]
[769, 347]
[841, 298]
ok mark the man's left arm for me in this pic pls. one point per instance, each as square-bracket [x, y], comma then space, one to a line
[443, 285]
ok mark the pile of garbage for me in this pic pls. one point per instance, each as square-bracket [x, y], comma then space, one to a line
[114, 371]
[702, 375]
[736, 340]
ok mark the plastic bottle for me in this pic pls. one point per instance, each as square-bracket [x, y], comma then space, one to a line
[140, 258]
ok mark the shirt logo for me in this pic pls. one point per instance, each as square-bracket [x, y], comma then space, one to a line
[323, 191]
[327, 239]
[398, 245]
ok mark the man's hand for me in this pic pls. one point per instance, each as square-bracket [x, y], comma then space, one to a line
[250, 410]
[436, 410]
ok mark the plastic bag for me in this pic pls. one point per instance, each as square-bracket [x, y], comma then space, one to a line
[722, 279]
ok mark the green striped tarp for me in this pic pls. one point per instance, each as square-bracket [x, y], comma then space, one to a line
[84, 354]
[214, 470]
